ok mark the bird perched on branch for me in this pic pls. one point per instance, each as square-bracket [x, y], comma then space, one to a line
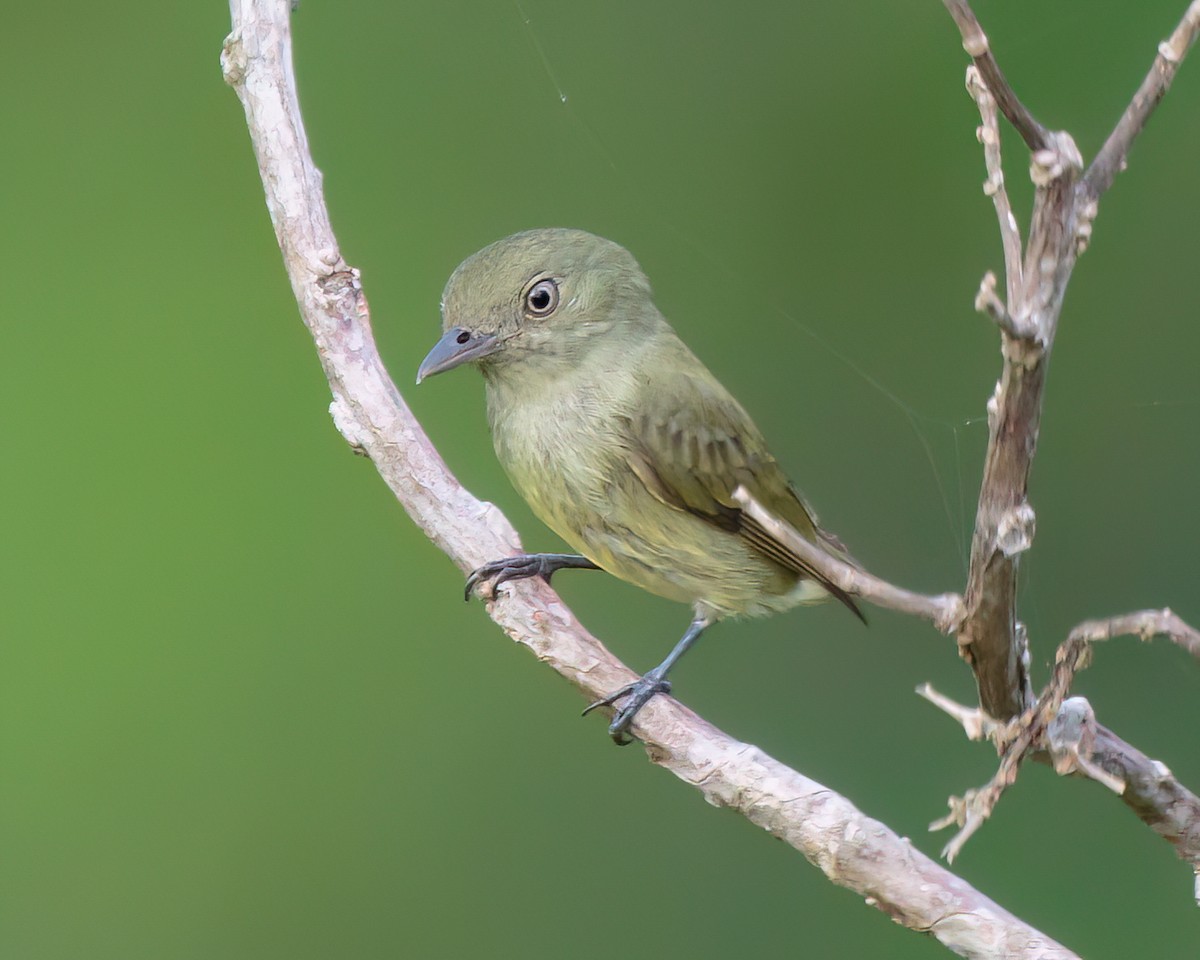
[621, 440]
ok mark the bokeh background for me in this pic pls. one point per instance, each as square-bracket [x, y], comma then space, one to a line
[244, 712]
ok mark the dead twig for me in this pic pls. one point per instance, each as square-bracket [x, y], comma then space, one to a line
[1065, 733]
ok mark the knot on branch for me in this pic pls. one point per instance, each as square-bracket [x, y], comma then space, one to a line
[338, 289]
[1071, 739]
[1084, 216]
[1014, 532]
[1061, 158]
[1175, 48]
[233, 60]
[975, 43]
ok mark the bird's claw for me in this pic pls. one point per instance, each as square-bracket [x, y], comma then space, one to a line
[640, 692]
[505, 569]
[524, 565]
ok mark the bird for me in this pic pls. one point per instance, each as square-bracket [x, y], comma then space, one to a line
[622, 441]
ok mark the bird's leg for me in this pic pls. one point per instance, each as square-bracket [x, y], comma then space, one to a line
[524, 565]
[641, 691]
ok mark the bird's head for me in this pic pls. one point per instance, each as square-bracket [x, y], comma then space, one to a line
[539, 301]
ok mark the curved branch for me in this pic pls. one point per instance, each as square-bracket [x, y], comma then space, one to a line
[851, 848]
[1145, 624]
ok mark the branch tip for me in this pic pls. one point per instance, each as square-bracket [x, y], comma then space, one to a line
[1112, 157]
[976, 724]
[988, 302]
[1144, 624]
[968, 813]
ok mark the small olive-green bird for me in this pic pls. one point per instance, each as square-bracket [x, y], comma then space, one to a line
[621, 440]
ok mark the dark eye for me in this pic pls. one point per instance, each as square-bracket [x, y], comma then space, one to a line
[542, 298]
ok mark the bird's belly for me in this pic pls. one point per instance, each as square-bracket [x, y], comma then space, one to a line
[564, 459]
[611, 518]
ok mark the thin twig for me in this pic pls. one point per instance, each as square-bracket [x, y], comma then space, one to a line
[1065, 732]
[1145, 624]
[975, 42]
[986, 301]
[1074, 653]
[976, 724]
[1112, 156]
[989, 135]
[1070, 738]
[852, 849]
[972, 810]
[944, 611]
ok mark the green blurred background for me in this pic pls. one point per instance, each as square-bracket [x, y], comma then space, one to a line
[244, 712]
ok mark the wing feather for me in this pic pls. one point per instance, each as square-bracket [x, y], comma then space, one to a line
[694, 451]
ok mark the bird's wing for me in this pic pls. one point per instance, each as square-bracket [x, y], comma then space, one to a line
[694, 450]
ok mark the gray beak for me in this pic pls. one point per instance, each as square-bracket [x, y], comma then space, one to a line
[458, 345]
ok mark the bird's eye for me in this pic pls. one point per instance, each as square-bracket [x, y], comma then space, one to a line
[542, 298]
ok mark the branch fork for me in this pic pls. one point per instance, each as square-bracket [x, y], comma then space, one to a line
[1065, 733]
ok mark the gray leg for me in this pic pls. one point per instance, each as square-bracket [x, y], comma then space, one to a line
[641, 691]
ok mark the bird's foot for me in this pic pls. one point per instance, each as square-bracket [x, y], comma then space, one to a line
[640, 692]
[521, 566]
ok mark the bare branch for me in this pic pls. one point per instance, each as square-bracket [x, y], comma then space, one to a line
[1146, 785]
[986, 301]
[1037, 277]
[944, 611]
[1112, 156]
[1059, 231]
[1145, 624]
[1074, 653]
[1075, 744]
[852, 849]
[1014, 740]
[1152, 792]
[1010, 234]
[1065, 733]
[976, 724]
[975, 42]
[972, 810]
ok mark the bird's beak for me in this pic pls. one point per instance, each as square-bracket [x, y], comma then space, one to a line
[458, 345]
